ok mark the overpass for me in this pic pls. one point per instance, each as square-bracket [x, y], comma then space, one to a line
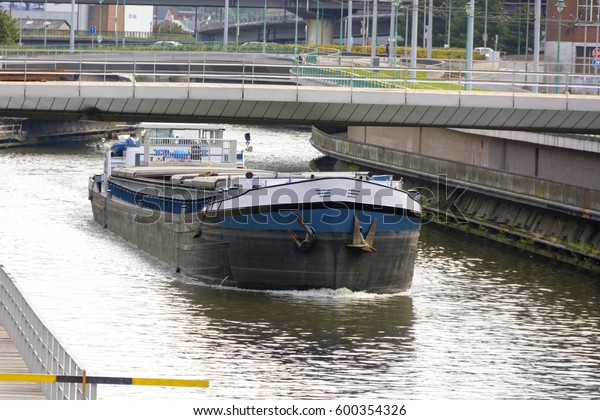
[237, 88]
[305, 6]
[318, 15]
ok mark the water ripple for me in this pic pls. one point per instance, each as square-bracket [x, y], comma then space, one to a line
[481, 321]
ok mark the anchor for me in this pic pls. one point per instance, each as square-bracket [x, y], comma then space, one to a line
[359, 241]
[309, 238]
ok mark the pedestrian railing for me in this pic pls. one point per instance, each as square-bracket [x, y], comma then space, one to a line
[38, 346]
[9, 131]
[59, 375]
[305, 67]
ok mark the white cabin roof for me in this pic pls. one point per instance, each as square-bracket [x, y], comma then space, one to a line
[179, 126]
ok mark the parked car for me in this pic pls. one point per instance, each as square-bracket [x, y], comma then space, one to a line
[166, 44]
[486, 52]
[257, 45]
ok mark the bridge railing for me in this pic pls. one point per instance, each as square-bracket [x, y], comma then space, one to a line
[38, 346]
[10, 130]
[206, 67]
[149, 37]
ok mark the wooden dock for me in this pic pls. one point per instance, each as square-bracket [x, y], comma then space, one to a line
[12, 362]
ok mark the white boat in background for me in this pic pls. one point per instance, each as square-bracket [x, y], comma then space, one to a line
[191, 144]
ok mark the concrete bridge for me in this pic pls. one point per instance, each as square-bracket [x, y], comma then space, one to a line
[236, 88]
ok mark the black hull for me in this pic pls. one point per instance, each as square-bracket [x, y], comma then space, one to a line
[271, 260]
[264, 260]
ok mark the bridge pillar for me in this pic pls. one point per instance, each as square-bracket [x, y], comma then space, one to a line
[324, 31]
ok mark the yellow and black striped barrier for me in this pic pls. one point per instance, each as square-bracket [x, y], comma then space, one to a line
[84, 380]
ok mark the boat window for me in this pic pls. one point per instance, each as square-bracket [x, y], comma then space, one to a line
[186, 134]
[163, 133]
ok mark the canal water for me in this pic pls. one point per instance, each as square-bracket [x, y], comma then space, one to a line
[482, 321]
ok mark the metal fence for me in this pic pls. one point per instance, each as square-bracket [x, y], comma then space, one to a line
[306, 67]
[39, 347]
[10, 130]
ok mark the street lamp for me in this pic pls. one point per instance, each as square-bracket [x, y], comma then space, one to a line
[536, 43]
[225, 26]
[471, 21]
[296, 33]
[237, 29]
[341, 30]
[46, 23]
[413, 39]
[374, 34]
[350, 39]
[100, 23]
[117, 24]
[449, 21]
[560, 5]
[124, 18]
[264, 45]
[485, 34]
[393, 36]
[317, 28]
[406, 32]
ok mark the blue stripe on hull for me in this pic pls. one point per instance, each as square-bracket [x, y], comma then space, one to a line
[167, 205]
[321, 220]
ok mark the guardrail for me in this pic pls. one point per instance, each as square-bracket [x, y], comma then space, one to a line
[10, 130]
[310, 69]
[38, 346]
[59, 375]
[86, 380]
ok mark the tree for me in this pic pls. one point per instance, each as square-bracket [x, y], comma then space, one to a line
[509, 28]
[9, 33]
[169, 28]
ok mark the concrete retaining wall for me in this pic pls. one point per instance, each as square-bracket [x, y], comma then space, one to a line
[547, 217]
[550, 158]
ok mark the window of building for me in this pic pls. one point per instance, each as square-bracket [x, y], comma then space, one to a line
[587, 10]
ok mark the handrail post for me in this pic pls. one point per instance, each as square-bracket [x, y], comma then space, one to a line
[514, 87]
[243, 73]
[189, 71]
[80, 68]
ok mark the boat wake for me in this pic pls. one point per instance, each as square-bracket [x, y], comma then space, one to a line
[330, 294]
[313, 294]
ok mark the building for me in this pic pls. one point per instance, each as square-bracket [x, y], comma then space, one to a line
[579, 33]
[130, 19]
[105, 17]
